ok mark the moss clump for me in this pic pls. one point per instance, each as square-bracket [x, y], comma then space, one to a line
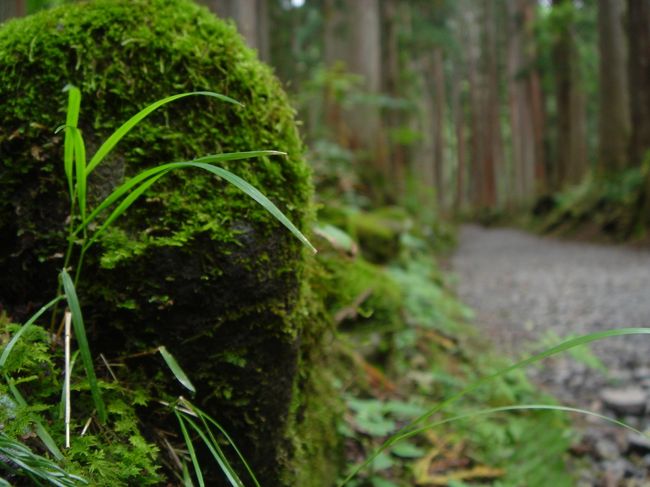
[197, 266]
[358, 293]
[378, 232]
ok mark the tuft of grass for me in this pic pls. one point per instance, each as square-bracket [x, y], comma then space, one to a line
[36, 467]
[186, 414]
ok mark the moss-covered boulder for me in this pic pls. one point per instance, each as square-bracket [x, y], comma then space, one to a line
[196, 266]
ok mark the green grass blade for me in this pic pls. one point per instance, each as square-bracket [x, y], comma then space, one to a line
[80, 170]
[12, 343]
[205, 417]
[222, 173]
[72, 119]
[519, 407]
[483, 412]
[122, 207]
[82, 342]
[124, 188]
[562, 347]
[42, 433]
[259, 197]
[187, 478]
[108, 145]
[176, 369]
[190, 448]
[218, 455]
[36, 466]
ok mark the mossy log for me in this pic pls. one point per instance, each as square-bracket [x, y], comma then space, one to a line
[197, 266]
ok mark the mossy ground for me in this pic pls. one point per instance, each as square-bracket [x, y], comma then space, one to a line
[601, 207]
[115, 453]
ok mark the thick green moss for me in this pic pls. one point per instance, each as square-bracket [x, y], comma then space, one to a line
[197, 266]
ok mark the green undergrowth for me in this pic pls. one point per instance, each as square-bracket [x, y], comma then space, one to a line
[405, 343]
[114, 453]
[610, 206]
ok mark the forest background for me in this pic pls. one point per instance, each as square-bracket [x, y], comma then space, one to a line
[468, 106]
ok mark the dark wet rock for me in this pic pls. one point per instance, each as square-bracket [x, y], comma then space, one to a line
[638, 443]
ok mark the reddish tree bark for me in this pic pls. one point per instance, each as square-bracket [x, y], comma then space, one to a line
[614, 117]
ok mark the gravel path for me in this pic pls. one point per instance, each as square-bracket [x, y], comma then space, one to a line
[524, 288]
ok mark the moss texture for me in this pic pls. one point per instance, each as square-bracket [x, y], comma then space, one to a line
[197, 266]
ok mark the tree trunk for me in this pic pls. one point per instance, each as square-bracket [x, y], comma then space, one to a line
[251, 17]
[525, 104]
[458, 115]
[471, 28]
[614, 118]
[639, 77]
[392, 23]
[571, 157]
[365, 50]
[12, 8]
[438, 75]
[491, 129]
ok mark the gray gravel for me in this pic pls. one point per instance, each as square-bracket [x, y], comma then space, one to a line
[526, 288]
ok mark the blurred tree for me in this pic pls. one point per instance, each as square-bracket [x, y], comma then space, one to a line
[614, 117]
[571, 153]
[526, 115]
[365, 60]
[493, 141]
[12, 8]
[252, 19]
[639, 77]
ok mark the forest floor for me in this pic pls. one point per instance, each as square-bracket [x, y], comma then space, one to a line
[529, 291]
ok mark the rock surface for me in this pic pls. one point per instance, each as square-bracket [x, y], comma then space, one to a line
[529, 291]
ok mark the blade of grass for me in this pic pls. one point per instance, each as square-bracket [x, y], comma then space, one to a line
[108, 145]
[190, 448]
[124, 188]
[260, 198]
[176, 369]
[42, 433]
[12, 343]
[218, 455]
[80, 170]
[35, 465]
[72, 119]
[483, 412]
[523, 407]
[121, 208]
[187, 478]
[227, 175]
[205, 417]
[564, 346]
[82, 342]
